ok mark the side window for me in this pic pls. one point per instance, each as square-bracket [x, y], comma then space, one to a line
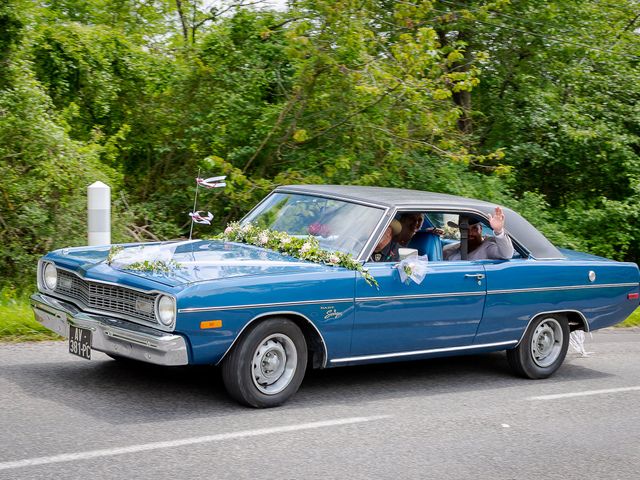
[422, 231]
[447, 225]
[436, 235]
[481, 243]
[400, 234]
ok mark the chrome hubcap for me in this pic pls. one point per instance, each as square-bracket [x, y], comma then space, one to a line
[274, 364]
[546, 343]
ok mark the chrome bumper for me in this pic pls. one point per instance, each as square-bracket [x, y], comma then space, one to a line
[112, 335]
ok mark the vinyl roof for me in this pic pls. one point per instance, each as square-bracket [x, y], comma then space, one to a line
[518, 228]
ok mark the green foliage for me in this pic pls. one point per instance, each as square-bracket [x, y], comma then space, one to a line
[559, 94]
[11, 26]
[42, 173]
[529, 104]
[17, 322]
[632, 321]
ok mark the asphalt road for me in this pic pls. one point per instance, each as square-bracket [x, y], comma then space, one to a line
[63, 417]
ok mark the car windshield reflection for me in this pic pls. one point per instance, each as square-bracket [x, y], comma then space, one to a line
[337, 224]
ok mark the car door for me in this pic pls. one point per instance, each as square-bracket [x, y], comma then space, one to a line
[440, 313]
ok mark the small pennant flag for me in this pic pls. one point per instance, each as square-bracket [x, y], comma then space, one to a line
[212, 182]
[200, 217]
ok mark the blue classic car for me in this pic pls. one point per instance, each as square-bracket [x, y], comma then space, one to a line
[265, 316]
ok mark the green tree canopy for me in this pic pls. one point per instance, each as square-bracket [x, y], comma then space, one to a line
[530, 104]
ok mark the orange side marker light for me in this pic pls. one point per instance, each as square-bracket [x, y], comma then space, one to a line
[210, 324]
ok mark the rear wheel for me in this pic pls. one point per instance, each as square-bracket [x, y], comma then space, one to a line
[542, 349]
[265, 368]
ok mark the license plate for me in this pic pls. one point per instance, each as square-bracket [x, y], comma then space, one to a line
[80, 342]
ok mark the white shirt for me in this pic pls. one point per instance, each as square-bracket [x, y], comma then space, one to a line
[498, 247]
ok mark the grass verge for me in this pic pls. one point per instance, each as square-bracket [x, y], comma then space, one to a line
[632, 321]
[17, 323]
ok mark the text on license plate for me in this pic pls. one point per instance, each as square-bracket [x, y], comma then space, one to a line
[80, 342]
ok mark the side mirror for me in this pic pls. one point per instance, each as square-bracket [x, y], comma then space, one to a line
[407, 253]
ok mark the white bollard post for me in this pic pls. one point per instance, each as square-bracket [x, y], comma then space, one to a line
[99, 213]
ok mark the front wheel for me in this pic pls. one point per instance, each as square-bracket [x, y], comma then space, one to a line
[265, 368]
[542, 349]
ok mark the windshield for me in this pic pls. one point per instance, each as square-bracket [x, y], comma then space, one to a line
[338, 225]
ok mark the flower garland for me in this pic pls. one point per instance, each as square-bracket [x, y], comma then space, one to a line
[113, 253]
[156, 266]
[304, 248]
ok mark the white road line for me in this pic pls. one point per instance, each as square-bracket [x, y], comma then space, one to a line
[585, 393]
[69, 457]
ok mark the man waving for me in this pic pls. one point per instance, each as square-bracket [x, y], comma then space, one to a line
[498, 247]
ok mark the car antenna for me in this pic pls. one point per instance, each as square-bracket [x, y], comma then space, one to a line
[198, 216]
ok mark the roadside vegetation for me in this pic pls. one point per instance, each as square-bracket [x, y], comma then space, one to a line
[17, 323]
[633, 320]
[533, 105]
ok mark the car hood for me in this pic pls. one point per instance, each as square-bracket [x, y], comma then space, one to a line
[195, 261]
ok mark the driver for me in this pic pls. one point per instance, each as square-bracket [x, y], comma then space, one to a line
[410, 222]
[387, 248]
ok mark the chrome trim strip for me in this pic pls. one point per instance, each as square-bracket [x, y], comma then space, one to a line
[368, 247]
[86, 308]
[285, 312]
[421, 352]
[156, 311]
[264, 305]
[327, 195]
[568, 287]
[39, 274]
[541, 259]
[418, 296]
[536, 315]
[110, 335]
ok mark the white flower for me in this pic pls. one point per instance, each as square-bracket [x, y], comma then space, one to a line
[334, 259]
[408, 269]
[285, 240]
[246, 228]
[228, 230]
[305, 247]
[263, 238]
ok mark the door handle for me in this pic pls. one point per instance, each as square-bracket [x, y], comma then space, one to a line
[477, 276]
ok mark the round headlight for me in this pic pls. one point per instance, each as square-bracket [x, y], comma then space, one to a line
[50, 276]
[166, 310]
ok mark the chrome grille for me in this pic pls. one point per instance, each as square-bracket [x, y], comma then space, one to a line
[108, 298]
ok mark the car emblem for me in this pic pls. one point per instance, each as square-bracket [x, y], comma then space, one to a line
[331, 312]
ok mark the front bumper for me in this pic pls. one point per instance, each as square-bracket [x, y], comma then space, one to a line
[112, 335]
